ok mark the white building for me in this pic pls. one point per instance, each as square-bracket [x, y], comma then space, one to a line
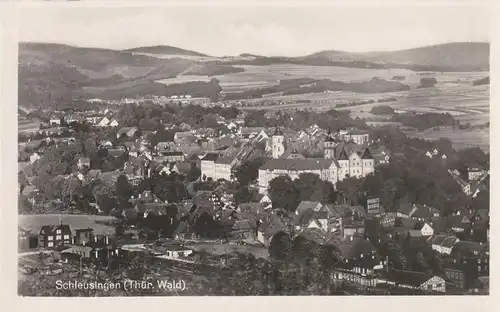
[341, 160]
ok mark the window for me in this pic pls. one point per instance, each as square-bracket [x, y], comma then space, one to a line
[50, 238]
[66, 236]
[51, 244]
[58, 237]
[58, 232]
[479, 268]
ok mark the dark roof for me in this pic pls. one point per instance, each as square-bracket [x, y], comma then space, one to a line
[272, 224]
[183, 167]
[225, 160]
[423, 211]
[467, 247]
[173, 153]
[211, 157]
[442, 240]
[343, 155]
[356, 247]
[51, 229]
[367, 154]
[152, 208]
[298, 164]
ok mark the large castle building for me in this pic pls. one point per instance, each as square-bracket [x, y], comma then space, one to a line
[341, 159]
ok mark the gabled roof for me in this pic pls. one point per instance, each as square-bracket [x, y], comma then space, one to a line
[343, 155]
[367, 154]
[442, 240]
[28, 190]
[52, 229]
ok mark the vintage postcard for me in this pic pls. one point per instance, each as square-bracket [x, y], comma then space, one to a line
[252, 150]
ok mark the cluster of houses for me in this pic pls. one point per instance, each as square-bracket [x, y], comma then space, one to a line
[346, 227]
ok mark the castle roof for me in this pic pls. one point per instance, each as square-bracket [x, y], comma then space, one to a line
[299, 164]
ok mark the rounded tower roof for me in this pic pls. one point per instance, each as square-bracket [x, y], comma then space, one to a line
[329, 136]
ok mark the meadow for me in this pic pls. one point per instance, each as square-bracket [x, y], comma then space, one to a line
[35, 222]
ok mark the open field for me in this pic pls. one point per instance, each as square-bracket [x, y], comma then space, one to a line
[461, 138]
[28, 126]
[35, 222]
[271, 74]
[467, 103]
[184, 79]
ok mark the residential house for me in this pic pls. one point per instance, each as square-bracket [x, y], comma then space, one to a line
[126, 131]
[30, 192]
[458, 223]
[55, 235]
[170, 157]
[182, 168]
[113, 123]
[187, 136]
[357, 255]
[104, 122]
[83, 162]
[55, 121]
[416, 281]
[309, 214]
[269, 225]
[34, 157]
[83, 236]
[25, 239]
[475, 173]
[472, 251]
[443, 244]
[244, 229]
[265, 199]
[417, 212]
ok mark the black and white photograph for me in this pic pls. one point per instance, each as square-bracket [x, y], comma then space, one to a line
[253, 150]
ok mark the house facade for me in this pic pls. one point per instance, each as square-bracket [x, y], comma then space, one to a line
[51, 236]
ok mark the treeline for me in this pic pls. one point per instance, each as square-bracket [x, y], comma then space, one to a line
[426, 120]
[303, 119]
[382, 110]
[308, 85]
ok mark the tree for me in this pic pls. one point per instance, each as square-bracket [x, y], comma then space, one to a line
[194, 173]
[248, 171]
[283, 193]
[123, 189]
[71, 187]
[279, 246]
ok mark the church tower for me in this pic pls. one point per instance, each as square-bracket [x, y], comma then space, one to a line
[329, 145]
[278, 143]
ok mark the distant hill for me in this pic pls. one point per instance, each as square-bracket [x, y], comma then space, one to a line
[458, 56]
[53, 75]
[162, 49]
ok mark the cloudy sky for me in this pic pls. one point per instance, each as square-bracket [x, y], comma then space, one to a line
[264, 30]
